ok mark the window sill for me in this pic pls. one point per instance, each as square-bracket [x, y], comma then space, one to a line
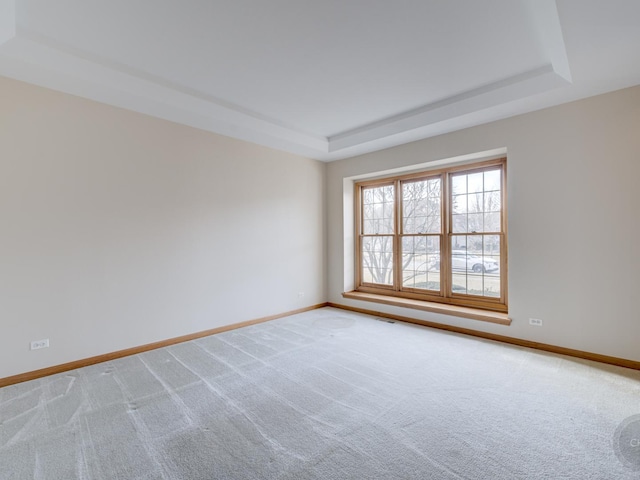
[454, 310]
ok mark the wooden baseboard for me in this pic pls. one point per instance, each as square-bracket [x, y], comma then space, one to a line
[596, 357]
[65, 367]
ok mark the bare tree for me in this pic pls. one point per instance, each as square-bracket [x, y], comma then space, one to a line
[421, 210]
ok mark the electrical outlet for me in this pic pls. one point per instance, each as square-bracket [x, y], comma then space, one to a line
[300, 294]
[38, 344]
[536, 322]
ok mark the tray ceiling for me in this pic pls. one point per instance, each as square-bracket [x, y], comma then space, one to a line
[327, 79]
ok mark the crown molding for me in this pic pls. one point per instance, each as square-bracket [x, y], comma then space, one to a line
[28, 56]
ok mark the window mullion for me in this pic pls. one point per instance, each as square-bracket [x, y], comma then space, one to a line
[397, 238]
[445, 242]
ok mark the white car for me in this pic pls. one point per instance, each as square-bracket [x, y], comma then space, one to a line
[461, 260]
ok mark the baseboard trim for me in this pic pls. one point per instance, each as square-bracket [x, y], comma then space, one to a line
[596, 357]
[65, 367]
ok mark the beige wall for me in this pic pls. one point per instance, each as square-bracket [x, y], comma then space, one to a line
[120, 229]
[574, 220]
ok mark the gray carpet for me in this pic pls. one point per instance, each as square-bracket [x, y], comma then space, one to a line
[322, 395]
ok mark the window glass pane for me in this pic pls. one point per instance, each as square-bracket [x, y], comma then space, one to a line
[492, 180]
[492, 222]
[492, 202]
[421, 262]
[491, 244]
[479, 210]
[459, 253]
[377, 259]
[459, 184]
[377, 210]
[475, 222]
[387, 212]
[491, 252]
[421, 204]
[434, 225]
[475, 182]
[475, 264]
[466, 244]
[459, 284]
[459, 223]
[476, 203]
[459, 203]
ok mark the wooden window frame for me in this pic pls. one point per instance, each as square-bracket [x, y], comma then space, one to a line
[445, 295]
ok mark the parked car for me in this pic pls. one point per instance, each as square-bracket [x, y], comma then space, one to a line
[463, 261]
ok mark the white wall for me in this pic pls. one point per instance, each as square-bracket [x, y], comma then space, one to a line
[119, 229]
[574, 222]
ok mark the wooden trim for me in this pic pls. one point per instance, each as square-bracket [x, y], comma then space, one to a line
[504, 246]
[427, 172]
[398, 212]
[460, 298]
[65, 367]
[358, 238]
[594, 357]
[446, 278]
[475, 167]
[446, 295]
[435, 307]
[431, 296]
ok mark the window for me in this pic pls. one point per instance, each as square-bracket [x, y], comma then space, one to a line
[438, 236]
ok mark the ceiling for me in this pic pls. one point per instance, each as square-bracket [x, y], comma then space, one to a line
[326, 79]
